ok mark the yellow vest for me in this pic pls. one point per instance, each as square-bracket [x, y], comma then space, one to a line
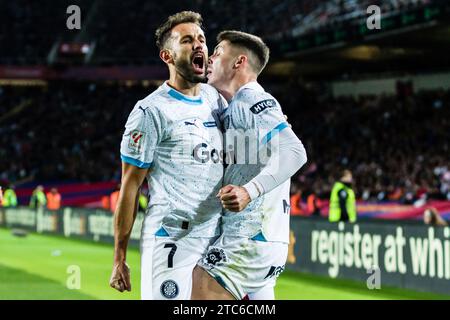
[335, 209]
[9, 198]
[143, 201]
[38, 199]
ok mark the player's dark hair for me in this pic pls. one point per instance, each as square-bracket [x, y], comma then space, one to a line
[250, 42]
[164, 30]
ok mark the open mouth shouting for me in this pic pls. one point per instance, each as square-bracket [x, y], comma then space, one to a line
[198, 62]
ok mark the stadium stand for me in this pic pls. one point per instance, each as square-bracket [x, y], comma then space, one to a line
[50, 140]
[396, 145]
[27, 34]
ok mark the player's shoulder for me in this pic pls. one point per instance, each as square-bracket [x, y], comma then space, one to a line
[148, 108]
[212, 97]
[154, 100]
[208, 90]
[154, 103]
[255, 100]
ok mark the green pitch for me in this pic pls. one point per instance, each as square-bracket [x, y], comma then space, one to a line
[41, 267]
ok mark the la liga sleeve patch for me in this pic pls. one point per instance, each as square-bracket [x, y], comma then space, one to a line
[136, 141]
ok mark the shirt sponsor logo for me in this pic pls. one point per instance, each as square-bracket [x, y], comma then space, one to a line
[136, 141]
[263, 105]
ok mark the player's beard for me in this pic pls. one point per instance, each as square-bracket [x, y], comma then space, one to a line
[184, 69]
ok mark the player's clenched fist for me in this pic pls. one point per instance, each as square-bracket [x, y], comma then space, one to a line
[234, 198]
[120, 277]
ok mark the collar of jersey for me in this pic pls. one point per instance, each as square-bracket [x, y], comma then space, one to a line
[251, 85]
[181, 97]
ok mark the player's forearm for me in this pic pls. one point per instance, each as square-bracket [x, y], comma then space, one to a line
[125, 215]
[291, 157]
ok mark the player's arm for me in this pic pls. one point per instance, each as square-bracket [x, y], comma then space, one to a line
[142, 135]
[283, 164]
[293, 154]
[124, 216]
[290, 158]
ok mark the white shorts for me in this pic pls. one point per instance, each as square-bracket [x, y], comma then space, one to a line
[244, 266]
[167, 265]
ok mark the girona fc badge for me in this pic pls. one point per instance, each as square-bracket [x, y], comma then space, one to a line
[136, 141]
[169, 289]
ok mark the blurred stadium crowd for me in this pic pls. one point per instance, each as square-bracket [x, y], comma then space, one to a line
[396, 146]
[28, 33]
[63, 131]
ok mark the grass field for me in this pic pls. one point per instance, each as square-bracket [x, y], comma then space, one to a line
[36, 267]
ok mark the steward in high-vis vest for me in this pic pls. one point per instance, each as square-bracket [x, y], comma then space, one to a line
[342, 200]
[53, 200]
[38, 198]
[9, 198]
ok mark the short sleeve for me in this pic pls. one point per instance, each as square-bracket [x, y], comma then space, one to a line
[143, 132]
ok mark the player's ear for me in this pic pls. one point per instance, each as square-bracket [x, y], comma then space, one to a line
[240, 61]
[166, 56]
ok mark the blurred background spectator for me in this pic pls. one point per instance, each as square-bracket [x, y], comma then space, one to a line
[9, 197]
[432, 217]
[38, 198]
[53, 200]
[342, 200]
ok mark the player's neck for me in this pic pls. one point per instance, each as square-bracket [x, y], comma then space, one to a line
[182, 85]
[233, 86]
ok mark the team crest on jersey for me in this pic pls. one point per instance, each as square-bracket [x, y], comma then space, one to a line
[263, 105]
[214, 256]
[169, 289]
[136, 141]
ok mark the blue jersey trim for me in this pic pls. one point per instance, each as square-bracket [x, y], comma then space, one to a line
[274, 132]
[135, 162]
[221, 282]
[259, 237]
[209, 124]
[162, 233]
[175, 94]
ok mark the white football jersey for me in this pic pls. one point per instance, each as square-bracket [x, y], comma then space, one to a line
[257, 116]
[179, 137]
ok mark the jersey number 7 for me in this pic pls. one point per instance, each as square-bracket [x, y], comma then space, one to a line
[171, 253]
